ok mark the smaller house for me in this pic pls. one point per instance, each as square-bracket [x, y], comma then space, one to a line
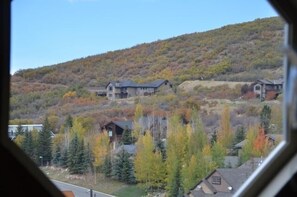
[263, 87]
[131, 149]
[225, 181]
[115, 130]
[271, 138]
[128, 88]
[12, 129]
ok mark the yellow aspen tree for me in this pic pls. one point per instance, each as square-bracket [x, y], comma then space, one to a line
[149, 166]
[137, 115]
[247, 150]
[225, 134]
[177, 153]
[100, 148]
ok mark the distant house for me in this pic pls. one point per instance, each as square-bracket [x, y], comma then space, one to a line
[262, 87]
[224, 181]
[12, 129]
[271, 138]
[115, 130]
[128, 88]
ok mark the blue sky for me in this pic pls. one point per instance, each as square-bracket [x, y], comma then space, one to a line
[46, 32]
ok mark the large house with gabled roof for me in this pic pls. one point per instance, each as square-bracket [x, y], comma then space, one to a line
[128, 88]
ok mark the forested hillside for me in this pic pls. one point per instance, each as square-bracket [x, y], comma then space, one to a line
[232, 49]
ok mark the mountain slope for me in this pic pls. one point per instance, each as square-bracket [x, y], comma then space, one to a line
[240, 52]
[230, 49]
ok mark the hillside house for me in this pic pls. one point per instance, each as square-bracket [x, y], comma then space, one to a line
[115, 130]
[262, 87]
[12, 129]
[128, 88]
[225, 181]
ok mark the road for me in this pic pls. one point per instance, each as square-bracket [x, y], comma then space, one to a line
[79, 191]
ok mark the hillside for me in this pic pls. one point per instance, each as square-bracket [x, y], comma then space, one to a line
[240, 52]
[214, 54]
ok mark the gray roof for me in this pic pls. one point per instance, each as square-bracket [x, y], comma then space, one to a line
[271, 82]
[129, 83]
[124, 124]
[131, 149]
[231, 161]
[240, 144]
[235, 177]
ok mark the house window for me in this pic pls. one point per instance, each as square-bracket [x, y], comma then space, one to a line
[110, 133]
[257, 87]
[216, 180]
[110, 88]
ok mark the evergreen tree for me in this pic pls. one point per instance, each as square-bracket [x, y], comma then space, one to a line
[73, 156]
[89, 158]
[57, 157]
[127, 136]
[28, 146]
[265, 118]
[45, 143]
[83, 163]
[69, 121]
[213, 139]
[160, 146]
[19, 130]
[64, 158]
[107, 166]
[123, 168]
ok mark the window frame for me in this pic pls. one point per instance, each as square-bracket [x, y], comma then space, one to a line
[280, 165]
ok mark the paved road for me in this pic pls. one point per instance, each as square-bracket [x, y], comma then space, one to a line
[79, 191]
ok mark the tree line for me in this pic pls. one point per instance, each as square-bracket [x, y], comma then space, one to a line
[174, 164]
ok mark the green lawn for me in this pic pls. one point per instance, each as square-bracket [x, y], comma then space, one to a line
[131, 191]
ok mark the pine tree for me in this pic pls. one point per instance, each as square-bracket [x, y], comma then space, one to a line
[265, 118]
[89, 158]
[69, 121]
[239, 136]
[64, 158]
[57, 157]
[123, 168]
[19, 130]
[107, 166]
[74, 156]
[126, 137]
[213, 139]
[82, 162]
[28, 146]
[45, 143]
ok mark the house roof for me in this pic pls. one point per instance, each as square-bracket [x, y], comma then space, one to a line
[235, 177]
[124, 124]
[271, 82]
[129, 83]
[131, 149]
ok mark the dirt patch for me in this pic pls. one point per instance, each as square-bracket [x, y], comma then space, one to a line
[190, 85]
